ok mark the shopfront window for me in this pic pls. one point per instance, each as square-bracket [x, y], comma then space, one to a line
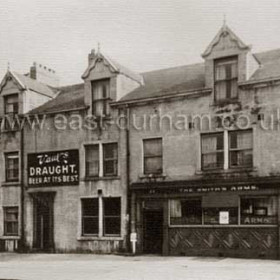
[185, 212]
[259, 210]
[221, 216]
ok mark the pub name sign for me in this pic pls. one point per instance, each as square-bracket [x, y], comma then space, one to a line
[57, 168]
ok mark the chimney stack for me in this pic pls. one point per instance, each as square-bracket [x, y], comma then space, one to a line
[33, 71]
[91, 56]
[44, 75]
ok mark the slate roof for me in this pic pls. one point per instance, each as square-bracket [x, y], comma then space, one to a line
[161, 83]
[34, 85]
[68, 98]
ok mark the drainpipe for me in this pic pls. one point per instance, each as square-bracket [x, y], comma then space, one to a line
[22, 239]
[130, 196]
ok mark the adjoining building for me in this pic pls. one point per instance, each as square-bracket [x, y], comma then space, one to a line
[179, 161]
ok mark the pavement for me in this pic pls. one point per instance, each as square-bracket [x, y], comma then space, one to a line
[107, 267]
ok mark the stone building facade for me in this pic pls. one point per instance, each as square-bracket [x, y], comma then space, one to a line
[204, 169]
[179, 161]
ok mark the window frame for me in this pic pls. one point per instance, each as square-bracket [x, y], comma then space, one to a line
[185, 199]
[227, 99]
[87, 175]
[204, 135]
[101, 217]
[252, 197]
[6, 99]
[104, 100]
[230, 150]
[113, 159]
[86, 217]
[160, 172]
[15, 223]
[10, 156]
[111, 216]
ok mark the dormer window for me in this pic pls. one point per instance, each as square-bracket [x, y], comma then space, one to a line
[11, 104]
[100, 97]
[226, 75]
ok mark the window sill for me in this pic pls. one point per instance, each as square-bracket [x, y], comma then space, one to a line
[10, 184]
[101, 178]
[227, 171]
[10, 237]
[225, 102]
[152, 176]
[102, 238]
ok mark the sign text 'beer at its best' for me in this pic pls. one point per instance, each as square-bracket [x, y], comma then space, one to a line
[53, 168]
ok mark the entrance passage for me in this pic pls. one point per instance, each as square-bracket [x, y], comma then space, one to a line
[43, 221]
[153, 231]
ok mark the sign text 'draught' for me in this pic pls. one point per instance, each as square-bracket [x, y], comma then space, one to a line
[53, 168]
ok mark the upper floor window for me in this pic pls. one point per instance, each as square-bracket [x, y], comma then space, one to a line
[92, 160]
[238, 153]
[226, 76]
[11, 104]
[12, 167]
[100, 97]
[240, 148]
[152, 156]
[110, 159]
[101, 160]
[212, 151]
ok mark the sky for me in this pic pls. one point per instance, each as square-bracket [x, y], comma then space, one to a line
[143, 35]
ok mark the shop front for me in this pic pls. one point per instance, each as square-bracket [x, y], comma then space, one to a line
[231, 219]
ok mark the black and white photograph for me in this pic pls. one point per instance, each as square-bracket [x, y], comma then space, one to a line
[140, 140]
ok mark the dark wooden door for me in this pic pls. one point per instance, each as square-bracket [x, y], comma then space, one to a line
[153, 231]
[43, 223]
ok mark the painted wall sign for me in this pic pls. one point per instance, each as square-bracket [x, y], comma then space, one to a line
[233, 188]
[53, 168]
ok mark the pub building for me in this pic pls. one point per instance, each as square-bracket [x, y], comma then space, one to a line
[204, 168]
[180, 161]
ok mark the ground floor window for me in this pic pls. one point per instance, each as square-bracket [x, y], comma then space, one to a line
[251, 210]
[112, 216]
[259, 210]
[185, 212]
[11, 221]
[90, 216]
[223, 215]
[101, 216]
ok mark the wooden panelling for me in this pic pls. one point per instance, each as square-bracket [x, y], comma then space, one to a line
[229, 242]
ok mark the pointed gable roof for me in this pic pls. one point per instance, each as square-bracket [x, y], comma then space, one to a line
[114, 67]
[224, 31]
[26, 83]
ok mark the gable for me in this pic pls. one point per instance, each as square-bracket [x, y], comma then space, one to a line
[225, 43]
[100, 71]
[9, 87]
